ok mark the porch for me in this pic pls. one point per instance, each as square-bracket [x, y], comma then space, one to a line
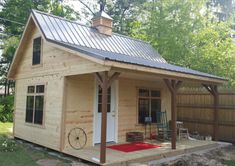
[115, 157]
[84, 98]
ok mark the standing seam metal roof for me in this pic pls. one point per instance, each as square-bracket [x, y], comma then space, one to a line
[116, 47]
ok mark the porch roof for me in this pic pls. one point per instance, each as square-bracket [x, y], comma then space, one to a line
[118, 48]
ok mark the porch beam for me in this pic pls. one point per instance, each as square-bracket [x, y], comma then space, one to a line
[105, 82]
[173, 85]
[113, 78]
[213, 89]
[98, 78]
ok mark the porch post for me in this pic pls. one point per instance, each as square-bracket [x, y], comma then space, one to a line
[214, 92]
[173, 86]
[105, 82]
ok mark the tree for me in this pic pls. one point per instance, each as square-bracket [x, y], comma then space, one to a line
[184, 34]
[123, 13]
[13, 23]
[213, 50]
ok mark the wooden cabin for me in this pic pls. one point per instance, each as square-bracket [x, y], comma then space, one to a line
[70, 75]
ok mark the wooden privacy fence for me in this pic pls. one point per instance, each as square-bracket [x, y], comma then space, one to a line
[195, 108]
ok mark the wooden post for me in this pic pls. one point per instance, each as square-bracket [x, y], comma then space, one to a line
[105, 82]
[214, 91]
[173, 86]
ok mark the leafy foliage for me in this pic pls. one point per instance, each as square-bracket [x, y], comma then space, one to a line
[14, 28]
[185, 33]
[123, 13]
[7, 145]
[6, 109]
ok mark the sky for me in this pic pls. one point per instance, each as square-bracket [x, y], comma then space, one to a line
[77, 6]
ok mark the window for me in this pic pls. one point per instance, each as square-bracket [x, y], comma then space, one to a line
[37, 51]
[34, 104]
[100, 100]
[149, 102]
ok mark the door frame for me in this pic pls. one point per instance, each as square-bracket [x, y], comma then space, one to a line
[95, 106]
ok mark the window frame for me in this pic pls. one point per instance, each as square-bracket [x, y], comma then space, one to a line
[150, 98]
[41, 52]
[44, 103]
[109, 99]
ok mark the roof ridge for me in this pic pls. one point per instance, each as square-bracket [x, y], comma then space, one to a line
[118, 34]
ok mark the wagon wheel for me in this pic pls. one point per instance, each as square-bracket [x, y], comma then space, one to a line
[77, 138]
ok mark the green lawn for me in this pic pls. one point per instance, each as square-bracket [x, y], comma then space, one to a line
[5, 129]
[20, 156]
[23, 154]
[229, 162]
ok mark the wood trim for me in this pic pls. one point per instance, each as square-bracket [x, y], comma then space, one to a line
[98, 78]
[204, 106]
[124, 67]
[203, 93]
[63, 115]
[14, 113]
[10, 72]
[41, 52]
[113, 78]
[44, 103]
[200, 121]
[142, 97]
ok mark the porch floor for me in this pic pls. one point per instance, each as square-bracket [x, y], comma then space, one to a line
[114, 157]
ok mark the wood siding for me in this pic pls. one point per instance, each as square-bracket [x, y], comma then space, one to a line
[128, 105]
[49, 133]
[56, 65]
[195, 109]
[79, 106]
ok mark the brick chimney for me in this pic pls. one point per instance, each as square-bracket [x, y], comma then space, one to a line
[103, 23]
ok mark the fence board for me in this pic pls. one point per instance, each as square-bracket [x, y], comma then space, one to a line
[195, 109]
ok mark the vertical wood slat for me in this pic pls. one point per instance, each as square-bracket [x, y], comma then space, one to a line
[226, 112]
[214, 91]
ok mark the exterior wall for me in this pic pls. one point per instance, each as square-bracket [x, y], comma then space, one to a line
[80, 98]
[79, 106]
[56, 64]
[54, 61]
[128, 105]
[49, 133]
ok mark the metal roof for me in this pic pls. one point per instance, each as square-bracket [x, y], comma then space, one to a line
[115, 47]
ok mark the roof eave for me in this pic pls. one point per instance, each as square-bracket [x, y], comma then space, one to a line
[164, 72]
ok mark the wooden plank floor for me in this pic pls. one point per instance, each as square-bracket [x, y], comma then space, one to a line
[115, 157]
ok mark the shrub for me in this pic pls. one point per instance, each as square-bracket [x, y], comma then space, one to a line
[7, 145]
[6, 109]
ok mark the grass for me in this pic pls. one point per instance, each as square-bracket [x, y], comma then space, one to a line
[229, 162]
[23, 154]
[5, 129]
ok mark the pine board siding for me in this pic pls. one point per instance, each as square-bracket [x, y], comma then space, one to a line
[49, 133]
[79, 106]
[55, 65]
[128, 105]
[54, 61]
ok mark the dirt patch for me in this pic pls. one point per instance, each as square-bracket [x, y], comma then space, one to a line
[48, 162]
[214, 157]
